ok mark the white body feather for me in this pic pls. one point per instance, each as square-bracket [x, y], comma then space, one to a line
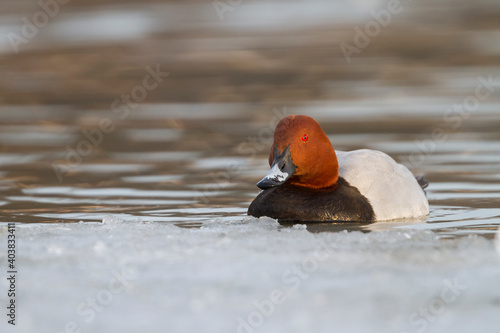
[391, 188]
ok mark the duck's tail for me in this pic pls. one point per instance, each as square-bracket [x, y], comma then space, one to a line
[424, 183]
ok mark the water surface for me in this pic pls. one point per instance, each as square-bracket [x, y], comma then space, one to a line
[187, 164]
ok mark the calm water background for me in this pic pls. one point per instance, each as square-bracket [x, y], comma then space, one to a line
[188, 164]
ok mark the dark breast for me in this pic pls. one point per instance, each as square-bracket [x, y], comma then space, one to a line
[296, 203]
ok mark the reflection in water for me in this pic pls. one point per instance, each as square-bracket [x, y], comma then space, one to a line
[312, 226]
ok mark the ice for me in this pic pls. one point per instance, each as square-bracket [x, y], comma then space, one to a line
[129, 275]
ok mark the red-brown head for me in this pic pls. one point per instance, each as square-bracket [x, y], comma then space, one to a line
[301, 155]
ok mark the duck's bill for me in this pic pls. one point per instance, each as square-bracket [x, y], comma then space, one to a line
[281, 170]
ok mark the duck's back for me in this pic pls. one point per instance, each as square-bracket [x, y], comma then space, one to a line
[391, 188]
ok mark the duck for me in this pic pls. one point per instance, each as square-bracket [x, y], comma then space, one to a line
[309, 181]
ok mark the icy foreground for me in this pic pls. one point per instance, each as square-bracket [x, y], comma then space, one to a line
[249, 275]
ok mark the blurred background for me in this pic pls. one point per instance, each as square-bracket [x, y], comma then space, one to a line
[85, 53]
[132, 107]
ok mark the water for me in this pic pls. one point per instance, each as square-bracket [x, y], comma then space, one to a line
[189, 164]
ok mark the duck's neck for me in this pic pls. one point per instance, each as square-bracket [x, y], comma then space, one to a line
[324, 174]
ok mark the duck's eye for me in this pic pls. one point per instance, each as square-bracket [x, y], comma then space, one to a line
[304, 138]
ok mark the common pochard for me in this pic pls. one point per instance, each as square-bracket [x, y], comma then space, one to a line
[309, 181]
